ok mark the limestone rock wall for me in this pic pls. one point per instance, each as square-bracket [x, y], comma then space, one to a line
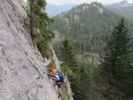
[23, 74]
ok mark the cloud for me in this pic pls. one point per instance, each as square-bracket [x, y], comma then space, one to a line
[130, 1]
[59, 2]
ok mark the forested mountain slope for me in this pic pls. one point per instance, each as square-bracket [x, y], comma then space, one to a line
[87, 25]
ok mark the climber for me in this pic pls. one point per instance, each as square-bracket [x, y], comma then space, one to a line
[56, 75]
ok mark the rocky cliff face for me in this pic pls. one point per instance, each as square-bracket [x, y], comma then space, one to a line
[23, 74]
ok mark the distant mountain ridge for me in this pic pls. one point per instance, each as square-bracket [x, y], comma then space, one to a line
[87, 25]
[53, 10]
[122, 4]
[122, 8]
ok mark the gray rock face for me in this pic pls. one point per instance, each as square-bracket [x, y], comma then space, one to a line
[23, 74]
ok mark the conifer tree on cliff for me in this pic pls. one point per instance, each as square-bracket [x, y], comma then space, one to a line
[38, 24]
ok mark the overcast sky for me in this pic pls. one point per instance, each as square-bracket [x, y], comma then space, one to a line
[59, 2]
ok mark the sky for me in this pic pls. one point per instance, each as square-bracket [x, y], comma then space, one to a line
[61, 2]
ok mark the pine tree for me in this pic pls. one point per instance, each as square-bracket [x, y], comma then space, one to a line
[69, 56]
[38, 24]
[116, 65]
[71, 68]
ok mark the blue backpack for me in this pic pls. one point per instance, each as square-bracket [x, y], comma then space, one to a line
[60, 77]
